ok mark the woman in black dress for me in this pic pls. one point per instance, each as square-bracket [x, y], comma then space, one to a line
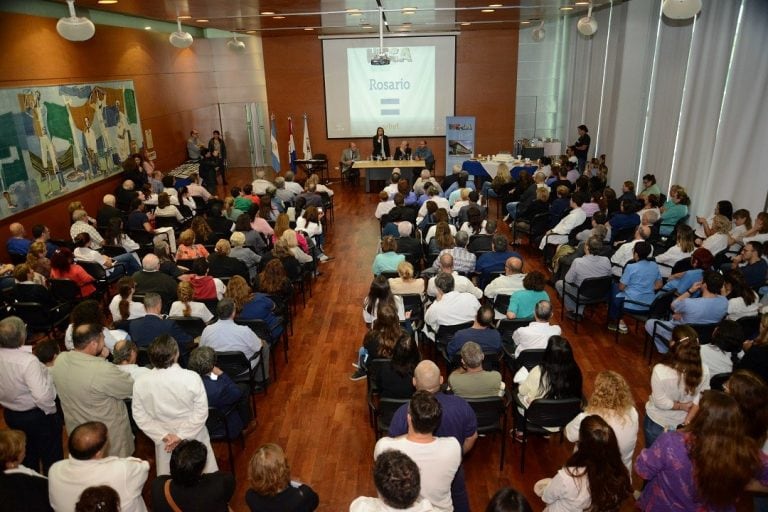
[380, 144]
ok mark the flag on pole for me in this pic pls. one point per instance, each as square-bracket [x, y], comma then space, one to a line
[307, 146]
[275, 152]
[291, 145]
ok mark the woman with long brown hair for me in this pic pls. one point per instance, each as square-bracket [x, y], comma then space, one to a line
[704, 466]
[380, 341]
[440, 215]
[676, 385]
[253, 306]
[594, 478]
[751, 393]
[202, 230]
[122, 306]
[186, 306]
[274, 281]
[443, 238]
[611, 400]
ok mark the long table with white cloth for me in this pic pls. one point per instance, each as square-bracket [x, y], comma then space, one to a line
[382, 169]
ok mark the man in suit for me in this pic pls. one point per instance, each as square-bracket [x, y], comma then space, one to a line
[150, 280]
[144, 330]
[107, 211]
[407, 244]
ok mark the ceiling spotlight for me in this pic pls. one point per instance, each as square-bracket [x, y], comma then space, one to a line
[106, 2]
[566, 8]
[278, 17]
[235, 44]
[465, 24]
[587, 25]
[74, 28]
[180, 39]
[680, 9]
[201, 21]
[308, 28]
[147, 28]
[408, 10]
[487, 10]
[184, 17]
[495, 5]
[538, 33]
[267, 13]
[525, 22]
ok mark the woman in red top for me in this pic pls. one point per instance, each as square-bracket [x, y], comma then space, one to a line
[63, 266]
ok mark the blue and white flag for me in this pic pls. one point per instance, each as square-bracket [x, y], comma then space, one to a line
[291, 146]
[275, 152]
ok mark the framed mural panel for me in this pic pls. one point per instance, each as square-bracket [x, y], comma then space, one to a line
[57, 139]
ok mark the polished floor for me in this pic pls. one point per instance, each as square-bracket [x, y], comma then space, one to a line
[320, 417]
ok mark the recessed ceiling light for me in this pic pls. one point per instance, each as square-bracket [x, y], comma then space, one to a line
[488, 10]
[466, 24]
[147, 28]
[106, 2]
[278, 17]
[185, 17]
[581, 3]
[566, 8]
[354, 12]
[202, 21]
[250, 31]
[525, 22]
[407, 13]
[495, 5]
[408, 10]
[308, 28]
[267, 13]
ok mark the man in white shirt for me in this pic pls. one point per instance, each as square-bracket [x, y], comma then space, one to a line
[225, 335]
[80, 225]
[28, 396]
[510, 282]
[435, 197]
[451, 307]
[261, 184]
[124, 355]
[625, 252]
[197, 190]
[460, 283]
[89, 465]
[438, 458]
[398, 483]
[575, 218]
[536, 334]
[291, 185]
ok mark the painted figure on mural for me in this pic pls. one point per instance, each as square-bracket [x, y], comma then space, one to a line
[123, 133]
[37, 111]
[98, 101]
[91, 148]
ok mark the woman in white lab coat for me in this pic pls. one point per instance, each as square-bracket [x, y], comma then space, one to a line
[170, 404]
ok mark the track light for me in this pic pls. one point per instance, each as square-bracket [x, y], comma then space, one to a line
[680, 9]
[587, 25]
[74, 28]
[538, 33]
[180, 39]
[235, 44]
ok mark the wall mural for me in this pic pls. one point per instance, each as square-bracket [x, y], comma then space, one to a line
[57, 139]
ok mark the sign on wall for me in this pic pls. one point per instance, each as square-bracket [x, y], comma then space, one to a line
[56, 139]
[459, 141]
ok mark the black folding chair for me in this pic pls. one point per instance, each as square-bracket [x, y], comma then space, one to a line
[239, 369]
[543, 415]
[491, 415]
[593, 290]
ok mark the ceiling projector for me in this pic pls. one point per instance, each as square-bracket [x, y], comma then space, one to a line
[380, 60]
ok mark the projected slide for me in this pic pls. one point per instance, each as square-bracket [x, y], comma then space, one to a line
[410, 97]
[400, 96]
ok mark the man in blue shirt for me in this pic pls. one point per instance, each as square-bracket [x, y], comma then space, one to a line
[494, 261]
[17, 244]
[424, 153]
[458, 420]
[481, 332]
[710, 308]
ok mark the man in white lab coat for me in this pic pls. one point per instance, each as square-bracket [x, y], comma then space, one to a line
[170, 404]
[89, 465]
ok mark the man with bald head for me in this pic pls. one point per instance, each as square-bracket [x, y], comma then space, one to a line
[510, 282]
[460, 283]
[89, 464]
[625, 253]
[107, 211]
[17, 244]
[458, 420]
[150, 280]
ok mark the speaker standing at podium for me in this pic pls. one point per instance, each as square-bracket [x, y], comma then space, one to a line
[380, 144]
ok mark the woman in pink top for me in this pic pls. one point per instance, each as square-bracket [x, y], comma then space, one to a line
[188, 249]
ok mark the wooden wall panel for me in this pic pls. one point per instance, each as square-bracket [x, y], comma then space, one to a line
[175, 90]
[486, 77]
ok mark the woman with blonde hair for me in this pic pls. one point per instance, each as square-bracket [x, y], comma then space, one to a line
[123, 307]
[291, 239]
[717, 241]
[611, 400]
[271, 486]
[683, 248]
[405, 282]
[187, 307]
[676, 385]
[188, 249]
[229, 209]
[37, 259]
[282, 224]
[319, 187]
